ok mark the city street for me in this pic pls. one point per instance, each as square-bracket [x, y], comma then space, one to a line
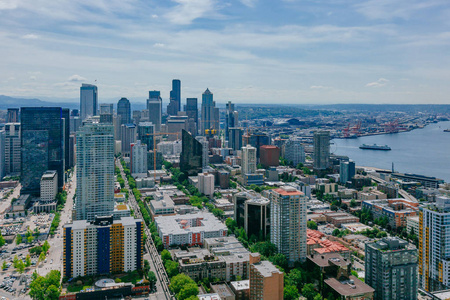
[162, 283]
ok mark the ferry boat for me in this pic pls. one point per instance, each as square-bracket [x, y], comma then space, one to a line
[375, 147]
[447, 130]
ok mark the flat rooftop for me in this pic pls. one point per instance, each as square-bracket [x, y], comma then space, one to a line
[183, 224]
[240, 285]
[351, 287]
[266, 268]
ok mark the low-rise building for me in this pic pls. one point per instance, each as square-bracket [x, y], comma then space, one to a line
[189, 229]
[49, 186]
[241, 289]
[223, 290]
[161, 205]
[412, 225]
[396, 210]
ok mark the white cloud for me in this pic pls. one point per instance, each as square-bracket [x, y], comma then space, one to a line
[319, 87]
[379, 83]
[249, 3]
[9, 4]
[30, 36]
[402, 9]
[159, 45]
[188, 10]
[76, 78]
[154, 16]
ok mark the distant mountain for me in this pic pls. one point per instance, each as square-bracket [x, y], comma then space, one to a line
[11, 102]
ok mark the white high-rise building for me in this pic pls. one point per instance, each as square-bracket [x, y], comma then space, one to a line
[170, 148]
[248, 160]
[49, 186]
[95, 171]
[206, 184]
[294, 151]
[154, 107]
[434, 245]
[288, 222]
[138, 158]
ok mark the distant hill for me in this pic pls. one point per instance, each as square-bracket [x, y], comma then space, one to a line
[11, 102]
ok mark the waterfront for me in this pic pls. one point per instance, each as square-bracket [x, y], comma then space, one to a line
[421, 151]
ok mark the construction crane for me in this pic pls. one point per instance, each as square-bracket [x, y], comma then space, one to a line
[154, 147]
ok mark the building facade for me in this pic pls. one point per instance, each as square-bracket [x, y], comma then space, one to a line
[145, 133]
[391, 269]
[434, 245]
[191, 157]
[95, 171]
[124, 111]
[235, 138]
[294, 151]
[191, 109]
[42, 146]
[347, 171]
[138, 158]
[154, 107]
[128, 137]
[12, 149]
[269, 156]
[210, 113]
[49, 186]
[103, 246]
[288, 222]
[206, 184]
[266, 281]
[248, 160]
[321, 150]
[88, 101]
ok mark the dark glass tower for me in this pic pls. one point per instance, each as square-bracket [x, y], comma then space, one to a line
[124, 111]
[191, 109]
[191, 155]
[66, 117]
[42, 146]
[176, 92]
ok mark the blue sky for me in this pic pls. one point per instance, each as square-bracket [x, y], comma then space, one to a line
[248, 51]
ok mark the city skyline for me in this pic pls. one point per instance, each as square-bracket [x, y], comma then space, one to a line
[245, 51]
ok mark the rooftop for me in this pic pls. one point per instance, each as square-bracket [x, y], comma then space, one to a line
[328, 259]
[180, 224]
[241, 285]
[266, 268]
[288, 191]
[351, 287]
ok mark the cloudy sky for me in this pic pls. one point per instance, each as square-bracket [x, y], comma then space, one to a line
[247, 51]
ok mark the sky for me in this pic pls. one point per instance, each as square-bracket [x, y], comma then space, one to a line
[247, 51]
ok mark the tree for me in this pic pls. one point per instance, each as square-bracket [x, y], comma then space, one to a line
[42, 256]
[177, 282]
[45, 247]
[279, 260]
[308, 291]
[44, 288]
[28, 261]
[265, 248]
[151, 277]
[20, 266]
[231, 224]
[188, 290]
[15, 261]
[299, 166]
[295, 278]
[18, 239]
[165, 255]
[4, 265]
[2, 240]
[171, 268]
[312, 225]
[291, 292]
[30, 239]
[336, 232]
[352, 203]
[52, 293]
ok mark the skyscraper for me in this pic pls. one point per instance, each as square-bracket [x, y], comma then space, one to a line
[138, 158]
[248, 160]
[95, 171]
[42, 146]
[124, 110]
[145, 133]
[128, 137]
[434, 245]
[191, 109]
[210, 113]
[191, 155]
[12, 149]
[347, 171]
[321, 150]
[106, 108]
[294, 151]
[13, 115]
[66, 129]
[175, 93]
[288, 222]
[391, 269]
[257, 140]
[154, 106]
[2, 153]
[88, 100]
[231, 119]
[235, 138]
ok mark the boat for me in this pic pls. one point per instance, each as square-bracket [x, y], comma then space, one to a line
[447, 130]
[375, 147]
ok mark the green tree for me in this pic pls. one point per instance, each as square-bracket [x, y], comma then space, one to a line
[312, 225]
[30, 239]
[4, 265]
[188, 290]
[279, 260]
[308, 291]
[266, 248]
[20, 266]
[2, 240]
[231, 224]
[151, 277]
[295, 278]
[177, 282]
[18, 239]
[353, 203]
[42, 256]
[290, 292]
[318, 297]
[44, 288]
[165, 255]
[171, 268]
[336, 232]
[52, 293]
[15, 261]
[28, 261]
[45, 247]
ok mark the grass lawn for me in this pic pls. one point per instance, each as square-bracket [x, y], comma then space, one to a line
[73, 288]
[131, 277]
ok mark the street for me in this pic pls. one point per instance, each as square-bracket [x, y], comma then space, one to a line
[162, 283]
